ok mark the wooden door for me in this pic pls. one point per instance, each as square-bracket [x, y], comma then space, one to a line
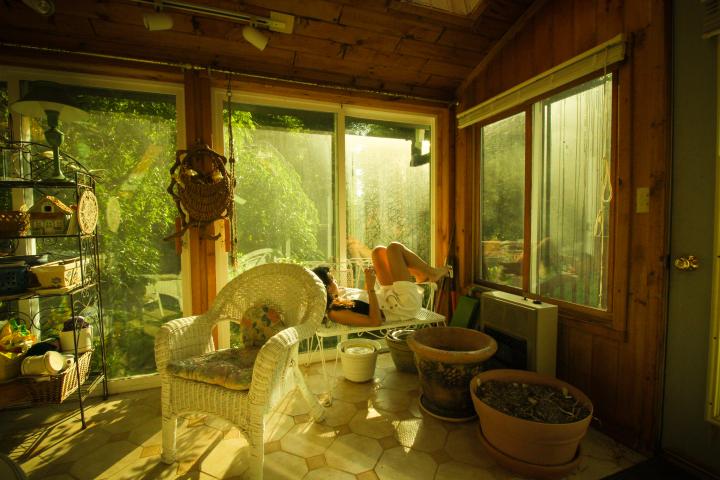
[685, 432]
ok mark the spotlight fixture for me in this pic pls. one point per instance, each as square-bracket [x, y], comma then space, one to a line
[278, 22]
[43, 7]
[157, 21]
[255, 37]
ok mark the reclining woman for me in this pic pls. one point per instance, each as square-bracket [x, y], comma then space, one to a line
[396, 298]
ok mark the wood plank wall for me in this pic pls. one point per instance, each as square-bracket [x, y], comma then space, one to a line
[618, 364]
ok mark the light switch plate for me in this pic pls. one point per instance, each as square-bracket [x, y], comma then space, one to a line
[642, 200]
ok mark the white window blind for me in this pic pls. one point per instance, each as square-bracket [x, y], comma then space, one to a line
[593, 60]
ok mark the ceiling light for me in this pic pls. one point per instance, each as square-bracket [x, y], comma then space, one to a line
[43, 7]
[157, 21]
[255, 37]
[278, 22]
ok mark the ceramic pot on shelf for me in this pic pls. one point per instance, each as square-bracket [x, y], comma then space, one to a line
[447, 358]
[530, 448]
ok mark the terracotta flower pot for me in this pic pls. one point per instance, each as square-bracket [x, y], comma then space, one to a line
[530, 442]
[447, 358]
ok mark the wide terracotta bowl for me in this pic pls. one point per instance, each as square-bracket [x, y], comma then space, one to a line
[447, 358]
[525, 440]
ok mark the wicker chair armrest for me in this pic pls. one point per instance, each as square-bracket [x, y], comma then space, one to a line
[271, 365]
[182, 338]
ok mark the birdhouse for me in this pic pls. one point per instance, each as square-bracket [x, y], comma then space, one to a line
[49, 216]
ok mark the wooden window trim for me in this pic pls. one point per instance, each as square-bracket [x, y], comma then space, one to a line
[612, 321]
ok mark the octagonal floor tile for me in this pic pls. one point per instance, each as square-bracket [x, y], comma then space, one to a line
[401, 463]
[339, 413]
[391, 400]
[327, 473]
[353, 453]
[426, 435]
[106, 461]
[229, 458]
[372, 423]
[284, 466]
[354, 392]
[308, 439]
[149, 433]
[400, 381]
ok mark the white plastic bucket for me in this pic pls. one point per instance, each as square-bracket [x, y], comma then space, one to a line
[358, 357]
[84, 340]
[51, 363]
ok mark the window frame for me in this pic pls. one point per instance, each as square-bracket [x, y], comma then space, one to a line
[613, 317]
[341, 111]
[14, 75]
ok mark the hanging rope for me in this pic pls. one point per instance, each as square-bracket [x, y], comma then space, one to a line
[231, 144]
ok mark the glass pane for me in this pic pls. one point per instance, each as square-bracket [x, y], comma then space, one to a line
[387, 186]
[502, 164]
[573, 194]
[284, 196]
[4, 113]
[129, 140]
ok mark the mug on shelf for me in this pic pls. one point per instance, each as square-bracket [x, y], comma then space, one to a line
[50, 363]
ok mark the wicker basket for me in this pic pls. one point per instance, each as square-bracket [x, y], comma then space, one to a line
[14, 223]
[56, 388]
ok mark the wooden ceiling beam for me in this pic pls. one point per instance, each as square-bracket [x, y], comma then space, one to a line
[500, 45]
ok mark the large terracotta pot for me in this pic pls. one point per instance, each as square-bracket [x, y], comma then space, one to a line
[447, 358]
[530, 442]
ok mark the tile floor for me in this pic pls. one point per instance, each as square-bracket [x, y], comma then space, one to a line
[372, 431]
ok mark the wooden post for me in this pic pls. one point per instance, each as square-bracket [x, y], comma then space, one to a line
[198, 123]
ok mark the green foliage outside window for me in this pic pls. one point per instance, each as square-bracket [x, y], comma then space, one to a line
[129, 140]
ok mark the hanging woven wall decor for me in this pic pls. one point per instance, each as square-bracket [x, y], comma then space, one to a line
[201, 186]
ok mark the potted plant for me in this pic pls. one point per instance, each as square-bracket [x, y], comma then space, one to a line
[447, 358]
[531, 423]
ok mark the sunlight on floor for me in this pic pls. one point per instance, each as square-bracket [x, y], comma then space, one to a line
[374, 430]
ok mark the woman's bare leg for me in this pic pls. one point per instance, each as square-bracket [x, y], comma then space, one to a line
[381, 265]
[404, 262]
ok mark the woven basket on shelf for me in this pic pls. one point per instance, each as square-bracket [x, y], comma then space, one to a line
[58, 387]
[14, 223]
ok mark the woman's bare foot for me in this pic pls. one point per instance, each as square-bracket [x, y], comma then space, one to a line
[438, 272]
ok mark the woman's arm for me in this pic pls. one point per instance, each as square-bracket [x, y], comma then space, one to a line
[373, 319]
[347, 317]
[375, 312]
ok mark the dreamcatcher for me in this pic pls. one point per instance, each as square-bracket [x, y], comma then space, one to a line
[203, 187]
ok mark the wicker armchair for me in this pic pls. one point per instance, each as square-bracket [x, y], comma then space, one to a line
[301, 297]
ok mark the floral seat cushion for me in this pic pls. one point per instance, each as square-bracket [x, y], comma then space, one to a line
[230, 368]
[259, 323]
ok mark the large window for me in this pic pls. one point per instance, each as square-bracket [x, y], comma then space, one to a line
[284, 202]
[566, 204]
[300, 198]
[387, 170]
[129, 141]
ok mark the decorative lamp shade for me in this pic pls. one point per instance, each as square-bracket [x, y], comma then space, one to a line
[48, 96]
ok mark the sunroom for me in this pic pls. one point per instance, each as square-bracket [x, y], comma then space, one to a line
[557, 157]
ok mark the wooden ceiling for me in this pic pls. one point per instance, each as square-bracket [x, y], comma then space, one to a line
[391, 46]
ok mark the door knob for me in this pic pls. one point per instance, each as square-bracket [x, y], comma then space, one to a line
[687, 263]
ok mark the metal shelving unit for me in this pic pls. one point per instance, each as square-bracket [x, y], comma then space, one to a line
[82, 300]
